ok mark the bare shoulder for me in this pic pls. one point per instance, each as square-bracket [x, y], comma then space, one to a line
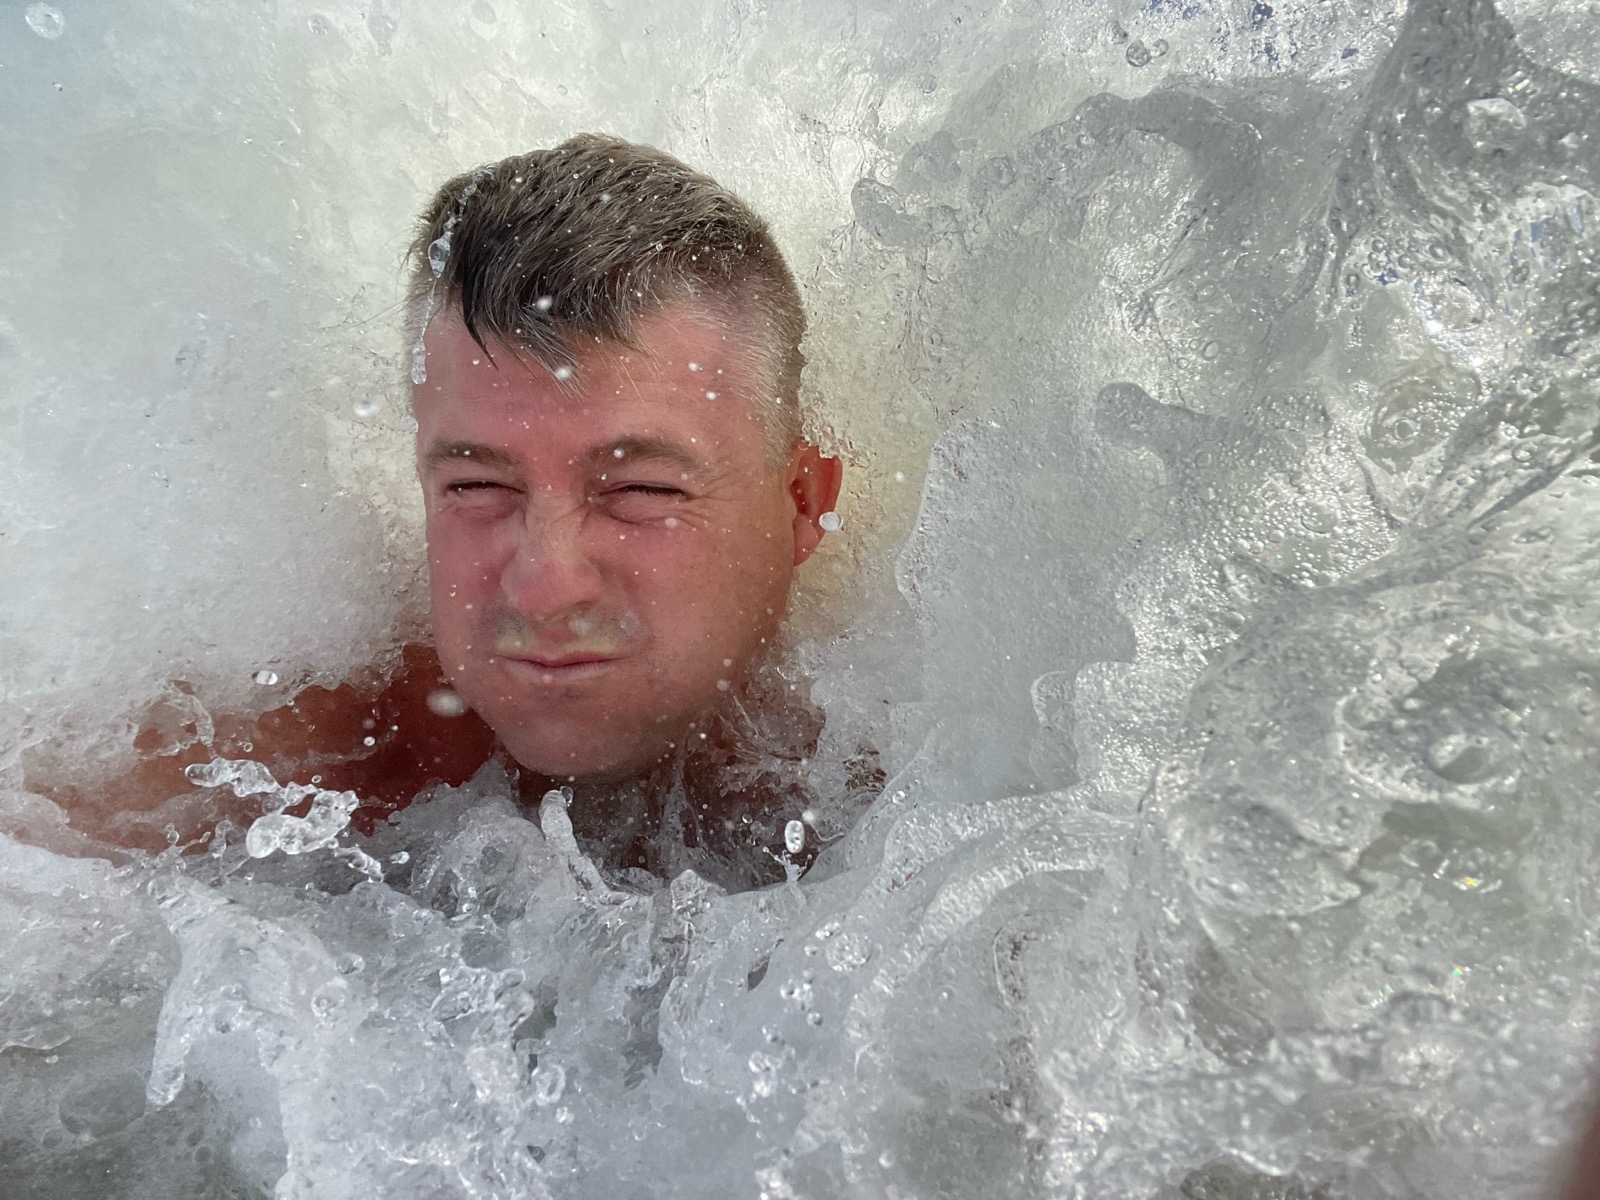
[377, 736]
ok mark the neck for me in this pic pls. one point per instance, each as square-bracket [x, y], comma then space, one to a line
[718, 805]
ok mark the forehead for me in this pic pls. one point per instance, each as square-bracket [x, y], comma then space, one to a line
[686, 376]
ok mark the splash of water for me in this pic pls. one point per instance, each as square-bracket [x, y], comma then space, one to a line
[1235, 685]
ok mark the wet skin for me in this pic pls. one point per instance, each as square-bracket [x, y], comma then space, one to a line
[610, 554]
[375, 735]
[587, 606]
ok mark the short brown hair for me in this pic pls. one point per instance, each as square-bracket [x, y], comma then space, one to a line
[546, 251]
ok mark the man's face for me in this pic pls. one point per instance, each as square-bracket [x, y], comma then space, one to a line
[609, 554]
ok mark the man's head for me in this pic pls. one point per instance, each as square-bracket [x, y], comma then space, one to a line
[609, 446]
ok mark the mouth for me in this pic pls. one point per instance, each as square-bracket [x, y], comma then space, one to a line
[557, 668]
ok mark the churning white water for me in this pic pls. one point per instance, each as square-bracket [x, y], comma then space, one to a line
[1235, 677]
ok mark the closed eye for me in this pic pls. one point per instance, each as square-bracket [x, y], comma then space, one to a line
[472, 485]
[648, 489]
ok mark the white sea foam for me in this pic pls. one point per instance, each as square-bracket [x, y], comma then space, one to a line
[1235, 678]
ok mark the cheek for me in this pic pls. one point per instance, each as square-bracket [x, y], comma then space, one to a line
[461, 550]
[462, 572]
[648, 562]
[689, 552]
[702, 582]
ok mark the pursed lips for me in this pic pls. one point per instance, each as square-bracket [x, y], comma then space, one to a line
[584, 646]
[554, 668]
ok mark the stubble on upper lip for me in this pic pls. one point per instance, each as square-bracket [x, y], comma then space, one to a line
[595, 643]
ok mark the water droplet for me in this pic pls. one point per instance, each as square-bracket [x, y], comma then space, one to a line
[544, 303]
[408, 424]
[445, 702]
[439, 254]
[369, 740]
[830, 521]
[563, 374]
[549, 1082]
[326, 1000]
[265, 678]
[794, 837]
[45, 20]
[1138, 54]
[1317, 519]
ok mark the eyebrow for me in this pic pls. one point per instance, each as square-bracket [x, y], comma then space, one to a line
[445, 452]
[642, 449]
[634, 449]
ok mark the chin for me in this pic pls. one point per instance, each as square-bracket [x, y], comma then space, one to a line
[587, 757]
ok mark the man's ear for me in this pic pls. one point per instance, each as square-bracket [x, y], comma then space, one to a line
[813, 481]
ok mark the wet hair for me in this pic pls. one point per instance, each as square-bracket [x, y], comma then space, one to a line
[546, 252]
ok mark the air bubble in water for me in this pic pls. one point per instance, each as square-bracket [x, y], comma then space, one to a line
[365, 409]
[445, 702]
[45, 20]
[794, 837]
[1138, 54]
[563, 374]
[544, 303]
[765, 1069]
[408, 424]
[830, 521]
[419, 364]
[265, 678]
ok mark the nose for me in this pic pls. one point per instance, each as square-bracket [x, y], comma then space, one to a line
[550, 575]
